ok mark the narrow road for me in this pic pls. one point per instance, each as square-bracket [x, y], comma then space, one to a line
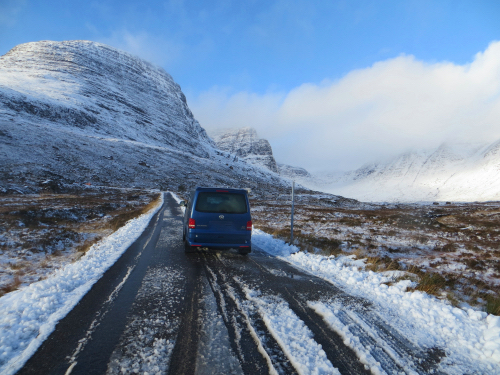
[159, 310]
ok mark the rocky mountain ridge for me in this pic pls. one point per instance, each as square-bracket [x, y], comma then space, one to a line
[92, 87]
[85, 113]
[246, 144]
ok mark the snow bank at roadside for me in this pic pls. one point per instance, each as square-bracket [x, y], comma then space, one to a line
[178, 200]
[271, 245]
[470, 338]
[176, 197]
[30, 314]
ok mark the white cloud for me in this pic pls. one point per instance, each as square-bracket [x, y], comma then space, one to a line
[218, 108]
[152, 48]
[395, 105]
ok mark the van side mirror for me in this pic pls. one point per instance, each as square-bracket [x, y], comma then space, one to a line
[183, 204]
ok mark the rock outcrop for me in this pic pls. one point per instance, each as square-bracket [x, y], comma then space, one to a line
[246, 144]
[293, 173]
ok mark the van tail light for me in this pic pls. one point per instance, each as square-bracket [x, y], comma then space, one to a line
[192, 223]
[249, 225]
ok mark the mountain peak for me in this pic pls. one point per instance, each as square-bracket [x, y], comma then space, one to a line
[450, 172]
[96, 89]
[246, 144]
[83, 112]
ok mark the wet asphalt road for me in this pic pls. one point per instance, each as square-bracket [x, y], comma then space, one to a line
[159, 310]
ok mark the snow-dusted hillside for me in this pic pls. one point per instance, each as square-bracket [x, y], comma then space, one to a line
[94, 89]
[293, 173]
[459, 172]
[246, 144]
[83, 112]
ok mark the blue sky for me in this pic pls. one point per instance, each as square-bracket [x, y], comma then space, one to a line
[241, 63]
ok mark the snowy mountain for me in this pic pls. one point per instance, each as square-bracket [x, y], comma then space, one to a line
[96, 90]
[452, 172]
[83, 112]
[293, 173]
[246, 144]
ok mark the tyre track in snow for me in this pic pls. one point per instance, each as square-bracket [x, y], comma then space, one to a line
[278, 280]
[256, 348]
[379, 333]
[160, 308]
[394, 353]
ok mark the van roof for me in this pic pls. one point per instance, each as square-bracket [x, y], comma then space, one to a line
[222, 189]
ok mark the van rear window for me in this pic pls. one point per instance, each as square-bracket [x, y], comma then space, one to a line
[230, 203]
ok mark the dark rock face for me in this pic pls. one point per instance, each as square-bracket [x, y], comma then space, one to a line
[246, 144]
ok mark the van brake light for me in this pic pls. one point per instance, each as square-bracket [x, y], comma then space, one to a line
[192, 223]
[249, 225]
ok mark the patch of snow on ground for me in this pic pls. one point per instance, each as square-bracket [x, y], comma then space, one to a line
[178, 200]
[215, 355]
[30, 314]
[145, 346]
[363, 345]
[470, 338]
[272, 246]
[296, 340]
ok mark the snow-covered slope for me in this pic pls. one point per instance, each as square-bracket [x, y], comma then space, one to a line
[293, 173]
[246, 144]
[94, 89]
[81, 112]
[452, 172]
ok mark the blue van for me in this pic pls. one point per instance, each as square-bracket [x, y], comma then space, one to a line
[217, 218]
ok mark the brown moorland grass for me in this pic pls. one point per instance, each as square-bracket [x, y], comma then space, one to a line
[10, 287]
[38, 233]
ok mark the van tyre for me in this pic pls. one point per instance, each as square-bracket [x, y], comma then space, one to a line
[187, 248]
[244, 250]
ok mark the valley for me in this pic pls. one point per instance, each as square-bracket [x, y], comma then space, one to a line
[394, 268]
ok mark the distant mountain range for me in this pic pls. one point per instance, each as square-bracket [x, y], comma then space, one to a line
[85, 113]
[452, 172]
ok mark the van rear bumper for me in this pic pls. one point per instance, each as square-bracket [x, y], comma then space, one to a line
[212, 245]
[219, 239]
